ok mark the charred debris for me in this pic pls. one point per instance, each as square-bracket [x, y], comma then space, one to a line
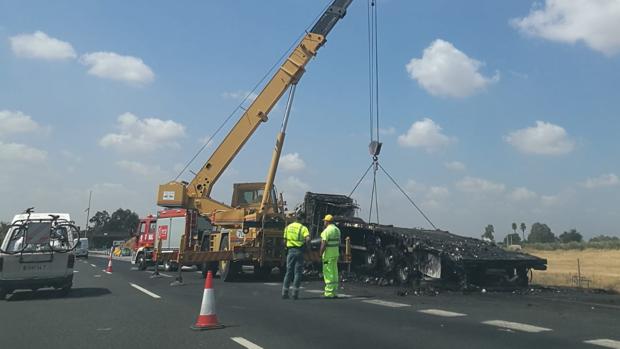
[389, 254]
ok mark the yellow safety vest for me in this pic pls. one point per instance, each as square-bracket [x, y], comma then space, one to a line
[331, 236]
[295, 234]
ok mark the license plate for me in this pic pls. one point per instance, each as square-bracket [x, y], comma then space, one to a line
[34, 267]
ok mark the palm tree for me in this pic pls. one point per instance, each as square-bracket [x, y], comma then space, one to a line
[523, 228]
[514, 227]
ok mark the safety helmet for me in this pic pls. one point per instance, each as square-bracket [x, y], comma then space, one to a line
[328, 218]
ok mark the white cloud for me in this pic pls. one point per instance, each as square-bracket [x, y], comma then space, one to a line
[109, 65]
[425, 134]
[445, 71]
[437, 193]
[522, 194]
[143, 134]
[414, 188]
[293, 190]
[455, 166]
[40, 45]
[21, 153]
[543, 139]
[138, 168]
[479, 185]
[292, 162]
[606, 180]
[550, 200]
[12, 122]
[594, 22]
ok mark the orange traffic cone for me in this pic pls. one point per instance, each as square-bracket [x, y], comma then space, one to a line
[207, 320]
[109, 268]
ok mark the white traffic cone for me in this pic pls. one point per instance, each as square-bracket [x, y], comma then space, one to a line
[207, 320]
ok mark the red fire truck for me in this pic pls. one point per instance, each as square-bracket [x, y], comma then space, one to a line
[169, 226]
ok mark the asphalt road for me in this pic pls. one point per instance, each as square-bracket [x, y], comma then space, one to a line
[108, 311]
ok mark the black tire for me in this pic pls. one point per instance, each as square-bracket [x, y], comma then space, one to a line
[403, 274]
[229, 270]
[371, 260]
[64, 291]
[170, 265]
[262, 273]
[390, 259]
[141, 262]
[209, 266]
[3, 293]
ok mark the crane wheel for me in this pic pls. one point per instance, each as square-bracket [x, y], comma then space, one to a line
[229, 270]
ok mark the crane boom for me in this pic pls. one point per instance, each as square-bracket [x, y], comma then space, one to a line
[196, 194]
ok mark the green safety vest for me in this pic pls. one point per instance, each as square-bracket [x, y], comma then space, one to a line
[331, 236]
[295, 234]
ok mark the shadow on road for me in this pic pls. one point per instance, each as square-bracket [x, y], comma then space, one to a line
[85, 292]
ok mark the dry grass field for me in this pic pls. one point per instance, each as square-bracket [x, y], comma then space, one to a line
[600, 267]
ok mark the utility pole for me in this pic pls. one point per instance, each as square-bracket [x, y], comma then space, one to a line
[90, 195]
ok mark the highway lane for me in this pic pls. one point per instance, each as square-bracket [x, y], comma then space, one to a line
[107, 310]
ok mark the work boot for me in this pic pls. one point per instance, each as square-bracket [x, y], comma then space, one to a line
[284, 295]
[295, 296]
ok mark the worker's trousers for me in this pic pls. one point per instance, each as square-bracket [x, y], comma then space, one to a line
[330, 275]
[294, 265]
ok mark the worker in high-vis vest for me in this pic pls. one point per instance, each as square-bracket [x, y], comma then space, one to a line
[296, 236]
[330, 251]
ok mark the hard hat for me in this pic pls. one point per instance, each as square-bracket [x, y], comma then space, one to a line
[328, 218]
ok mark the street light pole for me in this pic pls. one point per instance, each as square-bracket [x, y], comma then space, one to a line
[90, 195]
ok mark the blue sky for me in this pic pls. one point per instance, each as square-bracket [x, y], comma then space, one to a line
[491, 112]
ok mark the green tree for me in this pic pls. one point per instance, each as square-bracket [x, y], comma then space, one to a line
[100, 219]
[514, 227]
[541, 233]
[570, 236]
[488, 232]
[123, 220]
[604, 238]
[523, 228]
[512, 239]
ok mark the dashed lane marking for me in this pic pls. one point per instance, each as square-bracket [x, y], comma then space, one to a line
[97, 276]
[516, 326]
[314, 291]
[94, 266]
[75, 271]
[271, 284]
[386, 303]
[246, 343]
[606, 343]
[166, 275]
[439, 312]
[145, 291]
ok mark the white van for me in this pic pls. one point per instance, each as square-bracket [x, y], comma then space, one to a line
[81, 250]
[37, 252]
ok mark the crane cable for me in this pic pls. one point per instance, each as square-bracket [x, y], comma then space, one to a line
[375, 131]
[247, 96]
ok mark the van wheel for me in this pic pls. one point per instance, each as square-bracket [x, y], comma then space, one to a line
[64, 291]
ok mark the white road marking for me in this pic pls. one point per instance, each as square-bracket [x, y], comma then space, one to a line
[516, 326]
[439, 312]
[271, 284]
[94, 266]
[107, 272]
[97, 276]
[75, 271]
[166, 275]
[606, 343]
[386, 303]
[246, 343]
[145, 291]
[314, 291]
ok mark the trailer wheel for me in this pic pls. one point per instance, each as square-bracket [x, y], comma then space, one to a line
[229, 270]
[371, 260]
[403, 273]
[170, 266]
[390, 259]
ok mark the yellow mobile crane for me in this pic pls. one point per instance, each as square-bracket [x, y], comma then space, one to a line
[249, 230]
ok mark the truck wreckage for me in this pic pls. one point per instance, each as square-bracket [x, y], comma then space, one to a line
[405, 255]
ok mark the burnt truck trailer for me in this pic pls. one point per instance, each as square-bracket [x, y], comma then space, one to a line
[414, 255]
